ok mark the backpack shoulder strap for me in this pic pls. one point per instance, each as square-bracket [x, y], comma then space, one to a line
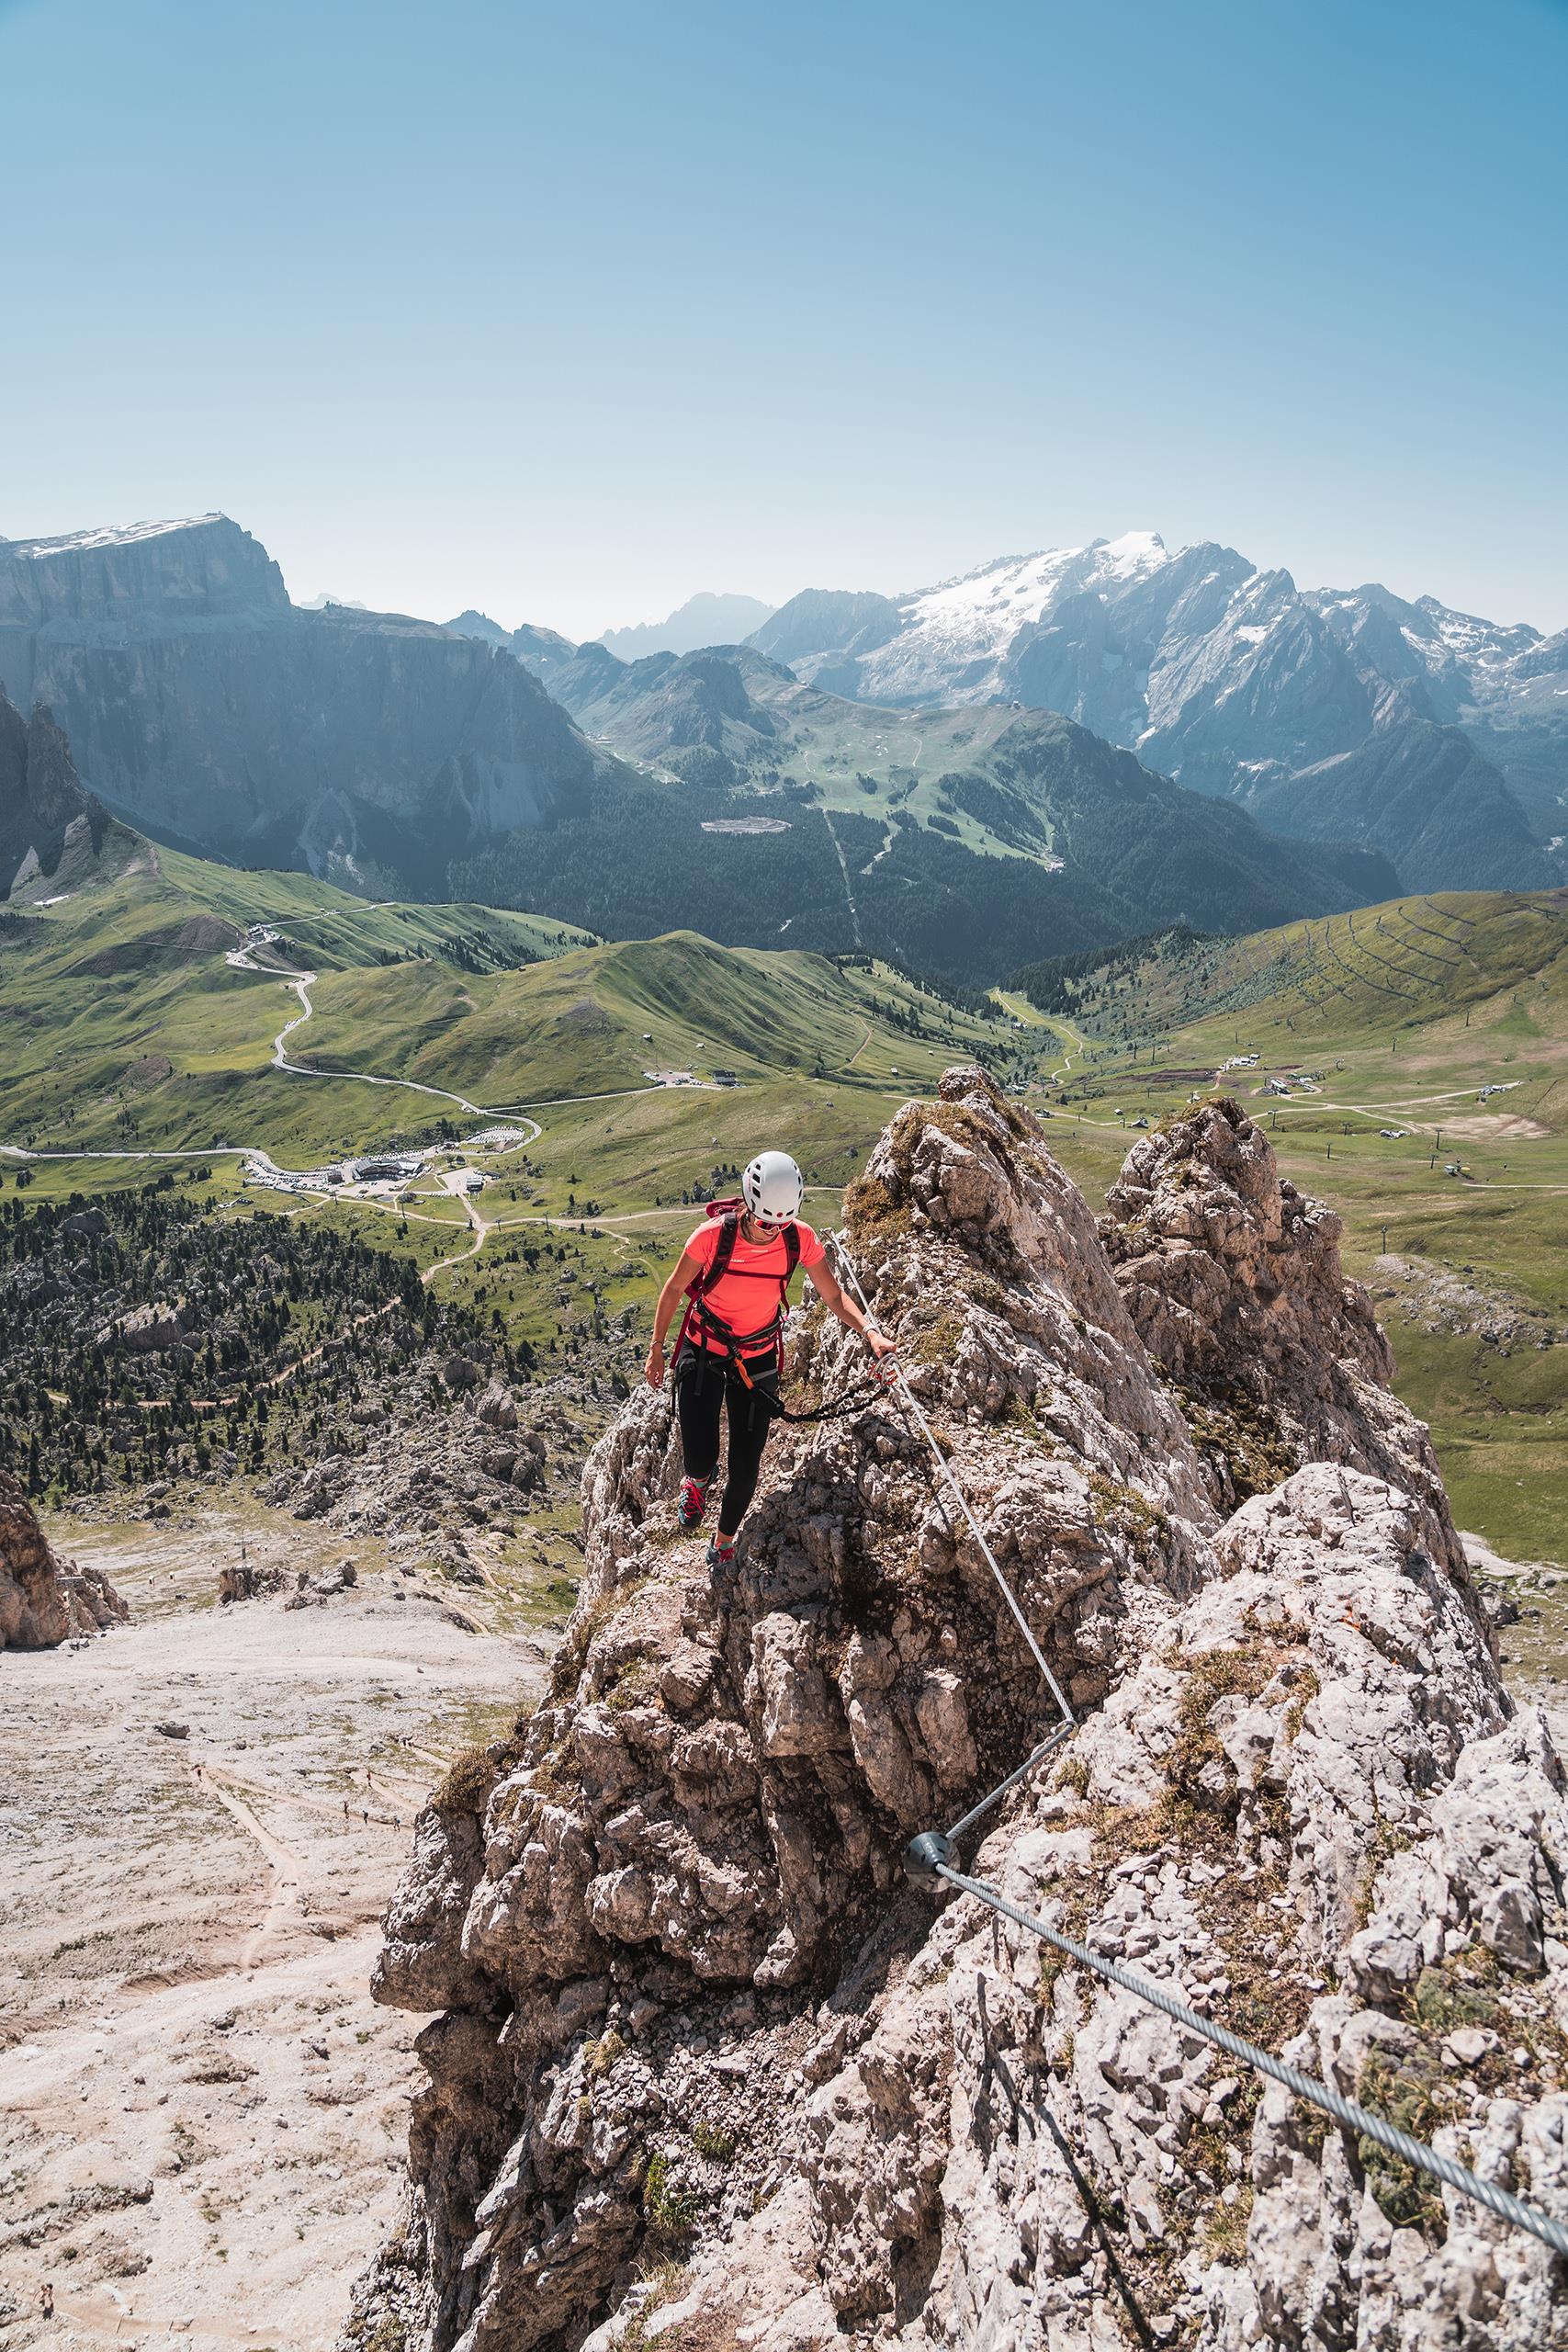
[792, 1249]
[723, 1250]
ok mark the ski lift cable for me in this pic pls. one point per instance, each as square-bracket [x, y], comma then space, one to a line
[929, 1861]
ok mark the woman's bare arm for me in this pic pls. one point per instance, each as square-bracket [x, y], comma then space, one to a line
[683, 1274]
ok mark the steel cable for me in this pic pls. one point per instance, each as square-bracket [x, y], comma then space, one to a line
[928, 1860]
[1344, 2111]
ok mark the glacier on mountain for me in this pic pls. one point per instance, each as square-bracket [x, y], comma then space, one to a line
[1228, 677]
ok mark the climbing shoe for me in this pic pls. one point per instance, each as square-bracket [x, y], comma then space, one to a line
[693, 1503]
[721, 1551]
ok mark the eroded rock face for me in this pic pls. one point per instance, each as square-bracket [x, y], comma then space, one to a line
[44, 1599]
[690, 2004]
[1233, 1280]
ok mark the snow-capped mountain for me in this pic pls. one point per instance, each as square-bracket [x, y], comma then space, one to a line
[1235, 681]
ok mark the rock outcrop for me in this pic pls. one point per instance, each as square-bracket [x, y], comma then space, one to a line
[51, 831]
[704, 2062]
[45, 1601]
[1233, 1280]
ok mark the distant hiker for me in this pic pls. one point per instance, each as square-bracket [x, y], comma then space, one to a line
[46, 2299]
[735, 1272]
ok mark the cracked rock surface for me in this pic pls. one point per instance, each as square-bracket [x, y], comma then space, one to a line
[44, 1599]
[702, 2065]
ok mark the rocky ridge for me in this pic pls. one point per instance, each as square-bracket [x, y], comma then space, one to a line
[43, 1600]
[704, 2064]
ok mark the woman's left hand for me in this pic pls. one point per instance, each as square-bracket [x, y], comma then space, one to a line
[879, 1343]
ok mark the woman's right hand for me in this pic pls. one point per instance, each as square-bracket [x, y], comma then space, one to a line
[653, 1370]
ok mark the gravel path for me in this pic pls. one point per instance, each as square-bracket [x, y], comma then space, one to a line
[202, 2115]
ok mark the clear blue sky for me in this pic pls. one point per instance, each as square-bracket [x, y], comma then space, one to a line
[567, 312]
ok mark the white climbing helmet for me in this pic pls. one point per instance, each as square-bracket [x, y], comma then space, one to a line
[773, 1185]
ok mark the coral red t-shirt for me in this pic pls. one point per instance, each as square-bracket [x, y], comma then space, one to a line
[741, 1297]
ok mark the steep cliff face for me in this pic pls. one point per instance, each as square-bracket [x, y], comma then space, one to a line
[51, 831]
[199, 700]
[705, 2063]
[43, 1599]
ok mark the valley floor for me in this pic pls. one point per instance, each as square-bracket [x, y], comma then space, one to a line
[202, 2117]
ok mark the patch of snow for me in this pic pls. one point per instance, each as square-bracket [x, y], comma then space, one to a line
[1134, 553]
[121, 535]
[957, 633]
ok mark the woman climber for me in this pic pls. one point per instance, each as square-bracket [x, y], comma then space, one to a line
[735, 1272]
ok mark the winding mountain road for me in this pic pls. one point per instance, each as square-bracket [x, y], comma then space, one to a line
[242, 960]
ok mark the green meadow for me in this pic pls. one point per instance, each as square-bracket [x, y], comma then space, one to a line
[129, 1033]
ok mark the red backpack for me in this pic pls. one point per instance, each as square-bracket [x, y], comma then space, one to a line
[731, 1213]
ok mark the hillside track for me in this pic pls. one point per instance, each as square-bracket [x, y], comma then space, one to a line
[302, 983]
[844, 870]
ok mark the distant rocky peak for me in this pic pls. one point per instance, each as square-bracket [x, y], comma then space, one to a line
[703, 620]
[472, 624]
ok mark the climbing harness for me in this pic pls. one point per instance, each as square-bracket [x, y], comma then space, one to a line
[929, 1861]
[762, 1349]
[763, 1388]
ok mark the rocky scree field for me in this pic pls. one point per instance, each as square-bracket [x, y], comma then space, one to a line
[702, 2067]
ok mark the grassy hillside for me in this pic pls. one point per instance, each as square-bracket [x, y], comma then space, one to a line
[769, 813]
[126, 1023]
[1375, 972]
[129, 1024]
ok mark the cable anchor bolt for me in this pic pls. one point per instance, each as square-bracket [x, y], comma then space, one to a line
[924, 1856]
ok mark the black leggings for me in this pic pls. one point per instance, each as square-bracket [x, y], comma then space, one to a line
[703, 1381]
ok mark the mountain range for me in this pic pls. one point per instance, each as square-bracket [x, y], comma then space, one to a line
[1439, 739]
[949, 845]
[704, 620]
[209, 710]
[966, 780]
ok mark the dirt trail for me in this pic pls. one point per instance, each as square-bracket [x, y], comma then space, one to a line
[844, 870]
[283, 1907]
